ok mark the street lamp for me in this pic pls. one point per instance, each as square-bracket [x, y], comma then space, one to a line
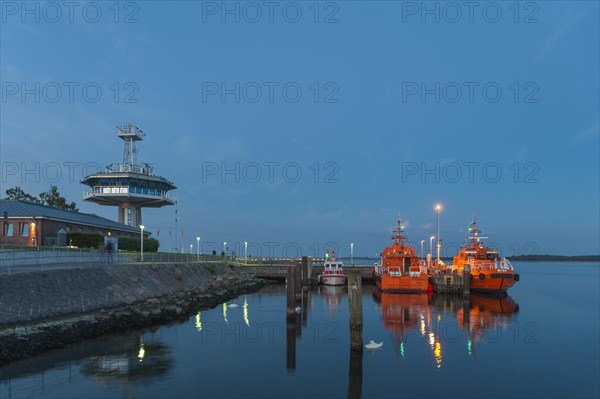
[438, 208]
[225, 248]
[352, 253]
[431, 245]
[198, 247]
[142, 242]
[422, 242]
[246, 252]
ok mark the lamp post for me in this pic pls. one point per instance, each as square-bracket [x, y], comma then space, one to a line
[352, 253]
[225, 248]
[198, 247]
[422, 242]
[142, 242]
[438, 208]
[246, 252]
[431, 245]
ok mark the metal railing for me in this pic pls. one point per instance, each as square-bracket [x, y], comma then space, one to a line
[45, 258]
[110, 190]
[26, 259]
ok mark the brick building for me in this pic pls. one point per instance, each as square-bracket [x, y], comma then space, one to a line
[28, 224]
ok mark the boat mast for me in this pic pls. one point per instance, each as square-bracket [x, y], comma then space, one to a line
[474, 237]
[397, 235]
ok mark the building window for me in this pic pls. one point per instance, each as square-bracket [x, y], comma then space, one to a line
[9, 230]
[25, 230]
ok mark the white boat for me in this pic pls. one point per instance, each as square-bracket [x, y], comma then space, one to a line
[333, 271]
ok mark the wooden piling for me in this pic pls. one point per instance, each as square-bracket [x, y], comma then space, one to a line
[291, 292]
[305, 304]
[305, 277]
[298, 282]
[355, 375]
[355, 304]
[466, 280]
[290, 337]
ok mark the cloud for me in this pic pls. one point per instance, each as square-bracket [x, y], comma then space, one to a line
[586, 134]
[568, 19]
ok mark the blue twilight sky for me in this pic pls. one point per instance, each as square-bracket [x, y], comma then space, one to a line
[383, 107]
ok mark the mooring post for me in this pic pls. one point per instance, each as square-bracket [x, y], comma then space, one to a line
[466, 280]
[356, 340]
[305, 277]
[298, 282]
[290, 338]
[355, 304]
[291, 292]
[305, 303]
[355, 375]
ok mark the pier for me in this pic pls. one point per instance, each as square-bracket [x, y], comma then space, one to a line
[279, 271]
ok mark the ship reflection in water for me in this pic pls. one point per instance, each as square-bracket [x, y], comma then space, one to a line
[333, 296]
[440, 320]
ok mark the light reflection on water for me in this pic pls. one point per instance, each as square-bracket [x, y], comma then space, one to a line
[433, 346]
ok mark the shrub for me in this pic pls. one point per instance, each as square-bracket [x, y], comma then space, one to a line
[85, 240]
[133, 244]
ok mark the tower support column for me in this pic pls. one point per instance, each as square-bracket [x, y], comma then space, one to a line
[130, 214]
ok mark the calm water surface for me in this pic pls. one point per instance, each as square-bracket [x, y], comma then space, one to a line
[541, 341]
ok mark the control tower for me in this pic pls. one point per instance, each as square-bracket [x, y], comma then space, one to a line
[129, 186]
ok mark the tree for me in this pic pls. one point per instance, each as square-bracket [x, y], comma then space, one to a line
[17, 193]
[51, 198]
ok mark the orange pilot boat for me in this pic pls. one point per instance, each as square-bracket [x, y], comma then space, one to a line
[400, 269]
[489, 272]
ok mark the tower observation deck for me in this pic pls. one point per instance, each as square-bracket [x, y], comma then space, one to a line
[129, 186]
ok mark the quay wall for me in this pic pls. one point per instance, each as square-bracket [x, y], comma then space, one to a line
[45, 310]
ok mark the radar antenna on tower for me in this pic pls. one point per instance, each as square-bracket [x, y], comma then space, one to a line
[130, 134]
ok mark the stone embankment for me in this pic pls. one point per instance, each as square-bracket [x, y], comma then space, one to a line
[46, 310]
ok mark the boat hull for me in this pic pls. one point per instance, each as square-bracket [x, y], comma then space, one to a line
[388, 283]
[333, 280]
[496, 282]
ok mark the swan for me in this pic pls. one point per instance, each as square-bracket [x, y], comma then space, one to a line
[373, 345]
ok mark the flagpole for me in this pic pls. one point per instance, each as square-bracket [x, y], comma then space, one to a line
[176, 233]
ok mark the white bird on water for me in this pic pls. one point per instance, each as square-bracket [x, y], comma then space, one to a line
[298, 309]
[373, 345]
[233, 305]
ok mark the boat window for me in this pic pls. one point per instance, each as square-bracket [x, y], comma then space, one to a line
[491, 256]
[406, 264]
[481, 256]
